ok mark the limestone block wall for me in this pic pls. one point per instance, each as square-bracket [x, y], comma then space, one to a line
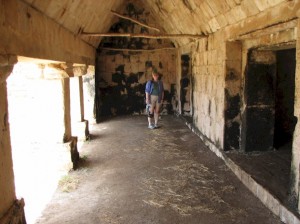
[89, 94]
[124, 66]
[269, 29]
[27, 32]
[121, 79]
[208, 68]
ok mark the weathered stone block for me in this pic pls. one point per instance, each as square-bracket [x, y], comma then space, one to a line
[134, 58]
[143, 57]
[230, 17]
[239, 13]
[119, 59]
[261, 5]
[285, 215]
[16, 214]
[221, 19]
[273, 204]
[127, 69]
[252, 186]
[214, 25]
[261, 194]
[135, 67]
[73, 154]
[205, 58]
[249, 8]
[296, 220]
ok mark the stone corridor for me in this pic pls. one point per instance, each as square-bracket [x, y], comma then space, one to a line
[131, 174]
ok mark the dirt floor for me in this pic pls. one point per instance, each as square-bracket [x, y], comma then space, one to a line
[131, 174]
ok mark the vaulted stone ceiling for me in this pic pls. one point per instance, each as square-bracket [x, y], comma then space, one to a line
[172, 16]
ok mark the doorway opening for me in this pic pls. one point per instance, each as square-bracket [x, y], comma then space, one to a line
[35, 118]
[185, 86]
[284, 99]
[268, 120]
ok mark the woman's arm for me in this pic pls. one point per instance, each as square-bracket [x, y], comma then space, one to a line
[147, 92]
[162, 92]
[148, 99]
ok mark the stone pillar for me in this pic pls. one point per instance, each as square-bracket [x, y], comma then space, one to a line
[67, 109]
[7, 186]
[80, 126]
[80, 83]
[296, 139]
[69, 140]
[89, 94]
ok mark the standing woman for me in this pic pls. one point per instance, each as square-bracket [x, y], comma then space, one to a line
[154, 97]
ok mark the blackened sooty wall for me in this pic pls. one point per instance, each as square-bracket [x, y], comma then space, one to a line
[121, 75]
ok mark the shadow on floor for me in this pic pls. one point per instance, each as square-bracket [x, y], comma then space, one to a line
[165, 175]
[269, 169]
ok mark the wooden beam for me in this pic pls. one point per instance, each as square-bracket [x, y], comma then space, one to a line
[282, 26]
[135, 21]
[148, 36]
[137, 50]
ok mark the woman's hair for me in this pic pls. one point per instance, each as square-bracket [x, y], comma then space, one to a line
[154, 71]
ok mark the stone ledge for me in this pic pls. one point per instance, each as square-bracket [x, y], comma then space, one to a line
[270, 201]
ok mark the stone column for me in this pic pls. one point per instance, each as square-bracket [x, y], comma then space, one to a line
[80, 82]
[65, 72]
[67, 109]
[7, 186]
[80, 125]
[71, 141]
[89, 94]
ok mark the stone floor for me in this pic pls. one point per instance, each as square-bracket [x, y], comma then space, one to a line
[131, 174]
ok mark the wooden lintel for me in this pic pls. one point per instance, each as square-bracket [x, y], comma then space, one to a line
[148, 36]
[283, 26]
[135, 21]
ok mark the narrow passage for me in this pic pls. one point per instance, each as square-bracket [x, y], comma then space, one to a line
[131, 174]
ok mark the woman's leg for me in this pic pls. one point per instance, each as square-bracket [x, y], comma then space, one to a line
[156, 114]
[150, 115]
[152, 110]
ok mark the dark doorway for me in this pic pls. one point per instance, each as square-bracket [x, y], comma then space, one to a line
[268, 119]
[268, 122]
[284, 99]
[185, 87]
[258, 117]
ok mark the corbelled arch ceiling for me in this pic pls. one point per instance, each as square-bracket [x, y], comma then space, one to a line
[200, 17]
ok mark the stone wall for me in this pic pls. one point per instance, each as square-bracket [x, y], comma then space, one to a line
[124, 66]
[27, 32]
[208, 57]
[219, 63]
[122, 77]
